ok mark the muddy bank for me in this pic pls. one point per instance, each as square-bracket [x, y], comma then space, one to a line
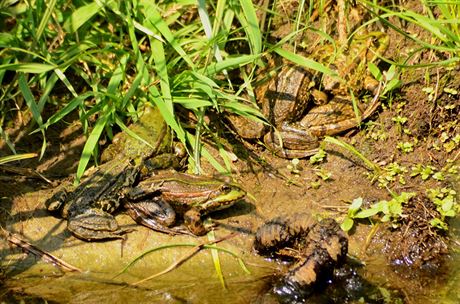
[196, 281]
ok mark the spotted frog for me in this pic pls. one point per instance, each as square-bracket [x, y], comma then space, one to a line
[159, 201]
[88, 208]
[301, 112]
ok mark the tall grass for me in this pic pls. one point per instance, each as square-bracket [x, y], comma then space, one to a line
[112, 56]
[103, 59]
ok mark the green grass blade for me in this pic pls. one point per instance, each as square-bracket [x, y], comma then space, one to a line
[90, 145]
[303, 61]
[7, 140]
[45, 19]
[192, 103]
[145, 253]
[168, 116]
[216, 260]
[30, 67]
[252, 28]
[73, 104]
[371, 165]
[33, 107]
[66, 81]
[228, 63]
[160, 66]
[81, 15]
[11, 158]
[124, 128]
[134, 86]
[51, 81]
[207, 155]
[30, 100]
[155, 22]
[117, 76]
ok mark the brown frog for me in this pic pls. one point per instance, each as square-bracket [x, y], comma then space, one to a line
[301, 113]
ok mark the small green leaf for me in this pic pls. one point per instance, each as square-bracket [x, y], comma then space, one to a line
[375, 71]
[367, 213]
[355, 205]
[347, 224]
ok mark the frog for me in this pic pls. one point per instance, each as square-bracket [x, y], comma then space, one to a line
[301, 108]
[163, 200]
[89, 207]
[314, 248]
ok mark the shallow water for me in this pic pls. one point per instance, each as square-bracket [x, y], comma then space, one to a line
[195, 281]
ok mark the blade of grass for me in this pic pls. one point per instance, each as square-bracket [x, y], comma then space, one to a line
[303, 61]
[216, 260]
[33, 107]
[81, 16]
[252, 28]
[155, 22]
[7, 140]
[51, 81]
[45, 19]
[68, 108]
[90, 145]
[228, 64]
[207, 155]
[11, 158]
[370, 165]
[30, 67]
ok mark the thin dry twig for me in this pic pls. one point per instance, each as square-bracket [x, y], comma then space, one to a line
[27, 172]
[185, 258]
[25, 245]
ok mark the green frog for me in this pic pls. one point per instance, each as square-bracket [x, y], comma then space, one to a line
[89, 207]
[156, 201]
[301, 112]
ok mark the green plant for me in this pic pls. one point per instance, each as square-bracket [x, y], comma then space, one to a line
[99, 55]
[389, 79]
[406, 147]
[387, 211]
[400, 121]
[370, 165]
[323, 174]
[349, 220]
[318, 157]
[391, 173]
[446, 205]
[294, 166]
[443, 30]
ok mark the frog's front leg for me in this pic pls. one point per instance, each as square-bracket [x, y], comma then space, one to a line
[155, 214]
[194, 223]
[95, 224]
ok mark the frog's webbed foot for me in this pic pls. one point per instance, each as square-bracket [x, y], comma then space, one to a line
[95, 224]
[154, 214]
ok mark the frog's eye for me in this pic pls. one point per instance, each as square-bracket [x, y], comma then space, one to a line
[226, 188]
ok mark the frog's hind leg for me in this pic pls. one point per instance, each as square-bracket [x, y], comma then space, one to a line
[95, 224]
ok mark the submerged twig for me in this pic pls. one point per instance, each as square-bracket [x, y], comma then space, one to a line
[25, 245]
